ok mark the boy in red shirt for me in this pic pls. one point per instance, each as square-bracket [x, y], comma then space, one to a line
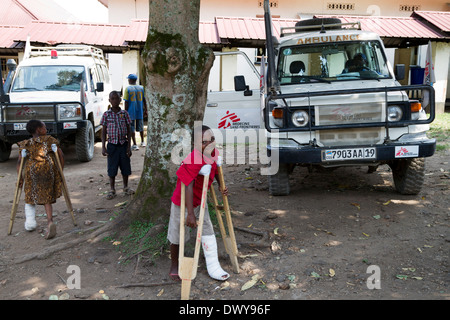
[188, 173]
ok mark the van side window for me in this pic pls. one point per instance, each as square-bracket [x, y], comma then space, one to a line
[92, 79]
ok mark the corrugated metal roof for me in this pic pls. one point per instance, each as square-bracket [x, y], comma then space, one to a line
[13, 13]
[207, 33]
[7, 34]
[440, 19]
[248, 28]
[75, 33]
[137, 32]
[22, 12]
[391, 27]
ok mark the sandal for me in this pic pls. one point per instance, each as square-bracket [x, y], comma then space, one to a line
[111, 195]
[51, 232]
[128, 191]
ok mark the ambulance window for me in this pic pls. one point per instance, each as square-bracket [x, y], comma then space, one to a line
[92, 79]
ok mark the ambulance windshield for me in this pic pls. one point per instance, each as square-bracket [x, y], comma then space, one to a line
[327, 62]
[48, 78]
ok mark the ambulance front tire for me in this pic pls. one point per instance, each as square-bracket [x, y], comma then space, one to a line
[408, 174]
[84, 142]
[279, 182]
[5, 150]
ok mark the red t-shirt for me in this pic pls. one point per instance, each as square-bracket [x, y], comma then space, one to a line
[188, 171]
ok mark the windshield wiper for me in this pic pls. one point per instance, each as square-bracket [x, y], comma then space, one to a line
[319, 79]
[26, 89]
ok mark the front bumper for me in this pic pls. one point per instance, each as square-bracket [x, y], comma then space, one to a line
[10, 133]
[301, 154]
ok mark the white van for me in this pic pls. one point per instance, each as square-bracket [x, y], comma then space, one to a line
[331, 99]
[66, 87]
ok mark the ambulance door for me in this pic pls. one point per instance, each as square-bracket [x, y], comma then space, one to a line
[233, 100]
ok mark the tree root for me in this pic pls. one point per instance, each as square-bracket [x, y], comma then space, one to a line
[92, 237]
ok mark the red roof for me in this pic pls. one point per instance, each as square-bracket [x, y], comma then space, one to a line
[7, 34]
[392, 27]
[75, 33]
[22, 12]
[249, 28]
[137, 32]
[440, 19]
[235, 31]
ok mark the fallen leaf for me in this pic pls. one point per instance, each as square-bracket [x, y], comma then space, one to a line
[275, 246]
[116, 243]
[332, 272]
[315, 275]
[376, 217]
[386, 203]
[356, 205]
[250, 283]
[417, 278]
[275, 231]
[401, 276]
[120, 204]
[366, 234]
[160, 293]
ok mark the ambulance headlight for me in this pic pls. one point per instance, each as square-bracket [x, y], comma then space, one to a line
[300, 118]
[69, 111]
[395, 113]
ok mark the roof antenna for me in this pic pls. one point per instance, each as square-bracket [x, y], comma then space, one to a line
[322, 30]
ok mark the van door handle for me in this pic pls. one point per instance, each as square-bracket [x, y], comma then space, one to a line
[211, 105]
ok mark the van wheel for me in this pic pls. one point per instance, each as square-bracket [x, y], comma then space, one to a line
[279, 182]
[408, 175]
[84, 143]
[5, 150]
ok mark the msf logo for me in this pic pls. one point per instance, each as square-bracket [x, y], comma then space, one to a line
[228, 120]
[25, 111]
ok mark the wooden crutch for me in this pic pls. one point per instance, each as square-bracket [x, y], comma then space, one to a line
[64, 184]
[229, 240]
[17, 193]
[187, 267]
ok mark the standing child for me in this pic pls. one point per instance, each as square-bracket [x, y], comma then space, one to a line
[188, 173]
[116, 130]
[42, 178]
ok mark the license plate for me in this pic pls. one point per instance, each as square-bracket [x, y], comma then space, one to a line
[349, 154]
[20, 126]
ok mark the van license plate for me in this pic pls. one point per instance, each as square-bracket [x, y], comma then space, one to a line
[349, 154]
[20, 126]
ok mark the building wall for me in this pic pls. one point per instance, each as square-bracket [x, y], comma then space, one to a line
[122, 11]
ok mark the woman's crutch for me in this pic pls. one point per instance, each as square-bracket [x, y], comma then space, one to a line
[187, 267]
[18, 192]
[229, 240]
[64, 184]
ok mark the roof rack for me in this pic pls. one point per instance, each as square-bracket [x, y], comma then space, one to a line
[69, 50]
[352, 26]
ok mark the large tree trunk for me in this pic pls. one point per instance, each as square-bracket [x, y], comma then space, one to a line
[176, 67]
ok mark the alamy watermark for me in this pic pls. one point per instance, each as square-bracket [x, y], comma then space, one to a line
[242, 146]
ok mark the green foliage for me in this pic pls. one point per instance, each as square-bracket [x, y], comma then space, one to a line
[440, 130]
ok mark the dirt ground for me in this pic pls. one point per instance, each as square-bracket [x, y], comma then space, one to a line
[323, 241]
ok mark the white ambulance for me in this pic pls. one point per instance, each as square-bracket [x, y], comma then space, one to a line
[331, 99]
[67, 87]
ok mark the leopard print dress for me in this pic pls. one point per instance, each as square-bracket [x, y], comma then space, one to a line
[42, 181]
